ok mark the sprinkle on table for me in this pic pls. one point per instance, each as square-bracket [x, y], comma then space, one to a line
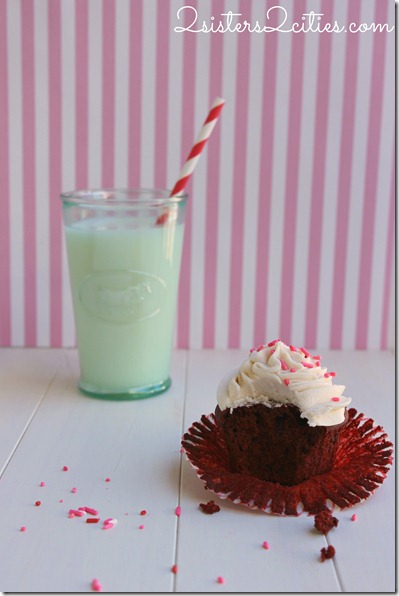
[65, 469]
[174, 569]
[108, 480]
[178, 511]
[23, 529]
[265, 545]
[74, 490]
[42, 484]
[141, 527]
[354, 517]
[96, 586]
[143, 512]
[221, 580]
[38, 503]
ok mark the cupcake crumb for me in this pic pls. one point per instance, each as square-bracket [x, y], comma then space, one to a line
[324, 521]
[210, 507]
[327, 553]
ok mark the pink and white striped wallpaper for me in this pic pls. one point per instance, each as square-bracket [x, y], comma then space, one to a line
[290, 229]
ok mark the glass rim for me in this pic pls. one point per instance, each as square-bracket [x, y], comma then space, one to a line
[124, 197]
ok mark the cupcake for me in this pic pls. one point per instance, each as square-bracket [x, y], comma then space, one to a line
[281, 415]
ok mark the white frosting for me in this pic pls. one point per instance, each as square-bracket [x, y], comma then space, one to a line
[277, 374]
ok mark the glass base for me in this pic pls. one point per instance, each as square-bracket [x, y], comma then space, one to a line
[128, 394]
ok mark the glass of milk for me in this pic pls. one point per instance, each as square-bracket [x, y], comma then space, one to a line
[124, 250]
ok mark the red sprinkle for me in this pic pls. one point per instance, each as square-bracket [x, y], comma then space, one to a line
[92, 520]
[287, 382]
[354, 517]
[259, 348]
[332, 374]
[178, 511]
[143, 512]
[220, 580]
[293, 349]
[23, 528]
[335, 399]
[38, 503]
[266, 545]
[108, 480]
[65, 469]
[272, 343]
[174, 569]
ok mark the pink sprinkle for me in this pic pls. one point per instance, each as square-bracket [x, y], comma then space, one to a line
[272, 352]
[292, 369]
[266, 545]
[23, 528]
[326, 375]
[96, 586]
[304, 351]
[307, 364]
[61, 500]
[77, 512]
[293, 349]
[65, 469]
[251, 350]
[317, 357]
[108, 480]
[141, 527]
[174, 569]
[74, 490]
[90, 510]
[287, 382]
[221, 580]
[335, 399]
[284, 365]
[332, 374]
[272, 343]
[354, 517]
[71, 515]
[178, 511]
[317, 362]
[42, 484]
[259, 348]
[109, 520]
[108, 526]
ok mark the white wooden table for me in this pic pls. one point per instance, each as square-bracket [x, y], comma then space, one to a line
[45, 424]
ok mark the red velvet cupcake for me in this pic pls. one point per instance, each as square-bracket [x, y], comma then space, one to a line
[281, 415]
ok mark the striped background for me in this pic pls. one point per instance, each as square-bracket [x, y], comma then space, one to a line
[290, 229]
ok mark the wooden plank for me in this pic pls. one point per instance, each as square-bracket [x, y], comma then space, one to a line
[365, 559]
[229, 543]
[25, 375]
[136, 444]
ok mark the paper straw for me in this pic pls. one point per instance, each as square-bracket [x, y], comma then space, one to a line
[195, 153]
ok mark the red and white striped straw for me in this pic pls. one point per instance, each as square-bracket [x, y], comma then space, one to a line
[195, 153]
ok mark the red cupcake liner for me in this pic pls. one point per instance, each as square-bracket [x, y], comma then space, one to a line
[363, 460]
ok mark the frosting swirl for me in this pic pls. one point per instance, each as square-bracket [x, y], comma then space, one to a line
[278, 374]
